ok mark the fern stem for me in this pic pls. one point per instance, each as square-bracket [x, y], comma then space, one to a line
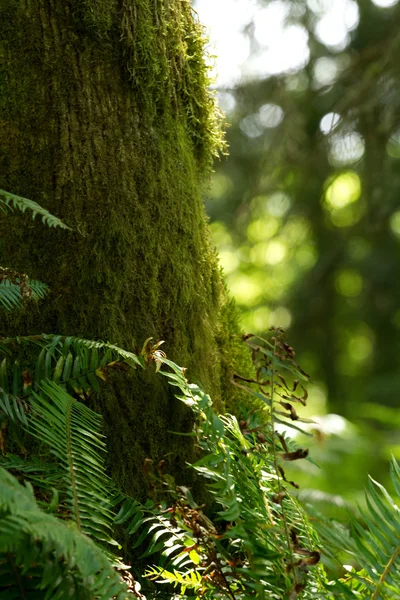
[229, 590]
[285, 525]
[385, 573]
[307, 526]
[71, 465]
[17, 577]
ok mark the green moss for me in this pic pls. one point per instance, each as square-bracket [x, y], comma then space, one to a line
[97, 15]
[163, 48]
[234, 357]
[114, 134]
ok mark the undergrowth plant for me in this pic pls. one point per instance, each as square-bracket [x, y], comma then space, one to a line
[259, 542]
[16, 288]
[249, 538]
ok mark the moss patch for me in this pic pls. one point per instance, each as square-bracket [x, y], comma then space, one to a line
[162, 46]
[105, 119]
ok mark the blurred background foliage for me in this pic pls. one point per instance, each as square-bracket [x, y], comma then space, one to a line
[305, 214]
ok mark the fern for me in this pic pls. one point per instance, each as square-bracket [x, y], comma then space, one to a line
[373, 547]
[12, 406]
[74, 363]
[16, 292]
[10, 295]
[191, 580]
[246, 480]
[261, 543]
[9, 201]
[72, 431]
[16, 288]
[42, 474]
[42, 557]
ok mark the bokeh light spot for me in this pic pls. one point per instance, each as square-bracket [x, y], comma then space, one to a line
[347, 216]
[306, 256]
[393, 145]
[226, 101]
[337, 19]
[385, 3]
[346, 148]
[344, 189]
[229, 261]
[348, 283]
[261, 319]
[275, 252]
[325, 71]
[270, 115]
[360, 348]
[329, 122]
[278, 204]
[317, 399]
[220, 185]
[332, 424]
[245, 289]
[280, 317]
[262, 229]
[251, 126]
[296, 230]
[220, 234]
[395, 223]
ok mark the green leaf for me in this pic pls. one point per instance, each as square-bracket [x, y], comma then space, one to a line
[43, 557]
[73, 432]
[9, 201]
[375, 544]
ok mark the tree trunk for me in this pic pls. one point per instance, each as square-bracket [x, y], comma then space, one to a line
[105, 120]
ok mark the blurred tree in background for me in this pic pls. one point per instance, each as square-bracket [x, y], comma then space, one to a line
[306, 217]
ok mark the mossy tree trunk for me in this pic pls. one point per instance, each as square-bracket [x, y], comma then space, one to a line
[105, 120]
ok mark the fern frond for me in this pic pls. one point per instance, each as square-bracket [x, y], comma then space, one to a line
[72, 431]
[9, 201]
[74, 363]
[191, 580]
[16, 289]
[373, 546]
[252, 556]
[42, 557]
[130, 358]
[11, 297]
[11, 403]
[38, 289]
[42, 474]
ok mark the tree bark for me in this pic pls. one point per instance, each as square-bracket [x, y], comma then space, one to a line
[105, 119]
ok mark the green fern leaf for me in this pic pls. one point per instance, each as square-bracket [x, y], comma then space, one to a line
[10, 403]
[43, 475]
[243, 483]
[39, 290]
[9, 201]
[73, 432]
[74, 363]
[42, 557]
[374, 545]
[11, 297]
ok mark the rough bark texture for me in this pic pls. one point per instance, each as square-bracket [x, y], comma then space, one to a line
[105, 120]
